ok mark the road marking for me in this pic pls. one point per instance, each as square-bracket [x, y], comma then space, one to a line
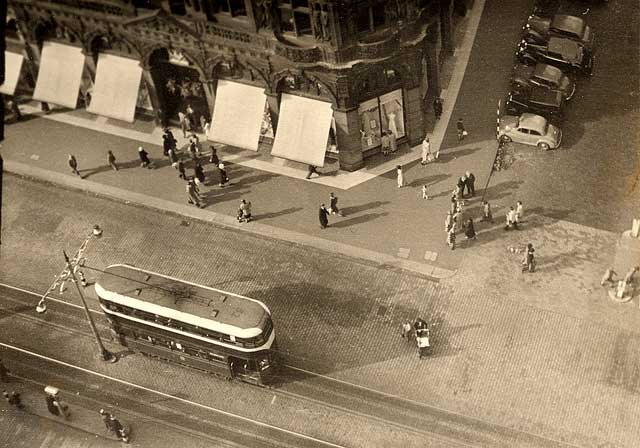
[173, 397]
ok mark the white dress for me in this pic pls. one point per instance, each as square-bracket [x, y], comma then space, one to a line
[400, 178]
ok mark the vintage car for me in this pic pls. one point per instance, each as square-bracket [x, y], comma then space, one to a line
[529, 129]
[538, 30]
[569, 56]
[543, 75]
[536, 100]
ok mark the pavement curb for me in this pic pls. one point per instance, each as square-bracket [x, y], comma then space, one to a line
[76, 183]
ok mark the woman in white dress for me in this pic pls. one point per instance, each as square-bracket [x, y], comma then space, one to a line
[400, 176]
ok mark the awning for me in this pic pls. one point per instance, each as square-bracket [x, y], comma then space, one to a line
[59, 75]
[303, 130]
[115, 91]
[237, 115]
[12, 65]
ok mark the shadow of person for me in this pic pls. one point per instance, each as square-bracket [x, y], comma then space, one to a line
[360, 208]
[356, 220]
[286, 211]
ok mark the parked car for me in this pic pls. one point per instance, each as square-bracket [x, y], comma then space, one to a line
[537, 100]
[567, 55]
[529, 129]
[543, 75]
[538, 30]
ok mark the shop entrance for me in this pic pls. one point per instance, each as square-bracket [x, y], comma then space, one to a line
[178, 85]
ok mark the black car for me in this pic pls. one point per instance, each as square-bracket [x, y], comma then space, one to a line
[538, 30]
[543, 75]
[567, 55]
[536, 100]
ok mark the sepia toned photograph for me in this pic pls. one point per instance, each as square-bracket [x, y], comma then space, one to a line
[320, 223]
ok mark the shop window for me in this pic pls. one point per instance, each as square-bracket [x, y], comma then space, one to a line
[382, 114]
[295, 17]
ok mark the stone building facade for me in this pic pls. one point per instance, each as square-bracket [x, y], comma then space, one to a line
[375, 61]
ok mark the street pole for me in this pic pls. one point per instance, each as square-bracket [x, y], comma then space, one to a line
[106, 354]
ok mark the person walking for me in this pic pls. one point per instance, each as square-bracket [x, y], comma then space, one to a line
[182, 174]
[529, 262]
[323, 216]
[73, 164]
[384, 143]
[311, 169]
[607, 278]
[333, 205]
[173, 157]
[144, 158]
[199, 173]
[519, 212]
[393, 143]
[486, 212]
[4, 372]
[400, 176]
[426, 151]
[223, 174]
[461, 185]
[425, 195]
[471, 183]
[630, 277]
[437, 107]
[119, 429]
[193, 149]
[183, 123]
[12, 398]
[462, 132]
[470, 231]
[511, 220]
[244, 211]
[192, 194]
[106, 420]
[213, 158]
[112, 160]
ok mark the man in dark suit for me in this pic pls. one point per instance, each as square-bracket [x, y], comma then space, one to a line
[471, 180]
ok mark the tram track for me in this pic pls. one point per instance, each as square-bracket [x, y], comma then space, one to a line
[446, 427]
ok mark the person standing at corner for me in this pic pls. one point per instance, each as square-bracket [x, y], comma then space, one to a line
[323, 216]
[112, 160]
[400, 176]
[471, 183]
[73, 164]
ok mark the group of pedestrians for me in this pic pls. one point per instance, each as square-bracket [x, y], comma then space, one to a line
[514, 216]
[454, 219]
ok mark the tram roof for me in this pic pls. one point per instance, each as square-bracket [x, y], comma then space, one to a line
[216, 306]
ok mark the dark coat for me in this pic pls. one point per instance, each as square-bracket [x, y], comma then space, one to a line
[199, 173]
[323, 216]
[51, 405]
[144, 156]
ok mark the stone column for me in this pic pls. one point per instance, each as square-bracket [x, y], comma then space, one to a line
[348, 139]
[158, 107]
[415, 127]
[274, 109]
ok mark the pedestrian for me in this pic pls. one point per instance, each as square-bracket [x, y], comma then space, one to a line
[223, 174]
[119, 429]
[183, 123]
[486, 211]
[448, 221]
[333, 205]
[456, 194]
[471, 183]
[193, 149]
[199, 173]
[53, 409]
[323, 216]
[426, 151]
[608, 277]
[384, 143]
[451, 236]
[405, 331]
[462, 132]
[144, 158]
[192, 194]
[311, 169]
[529, 262]
[106, 420]
[400, 176]
[244, 211]
[393, 144]
[470, 231]
[112, 160]
[73, 164]
[205, 127]
[631, 275]
[4, 372]
[182, 174]
[519, 212]
[213, 158]
[437, 107]
[203, 124]
[424, 192]
[511, 220]
[462, 183]
[54, 404]
[12, 398]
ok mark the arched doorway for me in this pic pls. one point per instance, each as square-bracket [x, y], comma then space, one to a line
[178, 85]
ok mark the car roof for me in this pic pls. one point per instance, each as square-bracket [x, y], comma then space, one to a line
[565, 47]
[546, 96]
[570, 24]
[532, 121]
[548, 72]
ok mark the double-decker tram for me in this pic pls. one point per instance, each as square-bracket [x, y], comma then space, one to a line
[198, 326]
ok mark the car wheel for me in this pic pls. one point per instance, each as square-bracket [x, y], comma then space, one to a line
[505, 139]
[543, 146]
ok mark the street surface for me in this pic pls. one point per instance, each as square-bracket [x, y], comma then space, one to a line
[519, 360]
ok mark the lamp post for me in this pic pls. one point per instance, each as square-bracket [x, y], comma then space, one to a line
[72, 266]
